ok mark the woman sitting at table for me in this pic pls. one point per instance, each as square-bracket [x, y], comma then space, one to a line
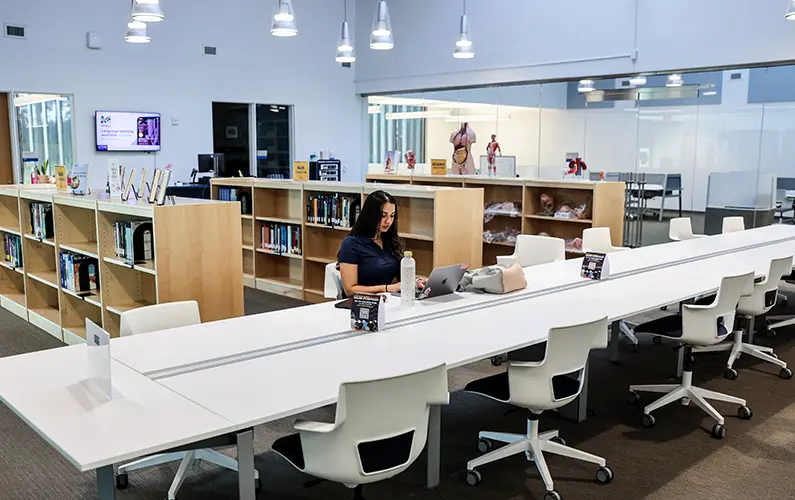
[369, 257]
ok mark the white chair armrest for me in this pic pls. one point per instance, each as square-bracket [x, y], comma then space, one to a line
[309, 426]
[507, 261]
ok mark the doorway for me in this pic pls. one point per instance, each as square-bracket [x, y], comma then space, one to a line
[6, 154]
[231, 136]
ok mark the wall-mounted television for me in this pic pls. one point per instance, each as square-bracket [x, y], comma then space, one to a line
[127, 131]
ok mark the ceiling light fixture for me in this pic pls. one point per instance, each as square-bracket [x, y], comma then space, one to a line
[790, 15]
[147, 11]
[345, 52]
[710, 92]
[382, 38]
[585, 86]
[284, 20]
[136, 33]
[463, 46]
[637, 80]
[675, 80]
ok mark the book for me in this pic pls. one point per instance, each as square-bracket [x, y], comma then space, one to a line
[368, 312]
[60, 178]
[79, 179]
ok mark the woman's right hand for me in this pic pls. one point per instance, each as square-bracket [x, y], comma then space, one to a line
[393, 288]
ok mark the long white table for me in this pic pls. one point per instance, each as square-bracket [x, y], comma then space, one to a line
[202, 402]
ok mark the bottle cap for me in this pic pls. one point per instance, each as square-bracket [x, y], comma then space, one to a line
[408, 253]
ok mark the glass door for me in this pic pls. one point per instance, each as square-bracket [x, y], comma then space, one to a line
[45, 131]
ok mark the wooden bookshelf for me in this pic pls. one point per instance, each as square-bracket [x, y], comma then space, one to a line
[605, 206]
[441, 225]
[196, 257]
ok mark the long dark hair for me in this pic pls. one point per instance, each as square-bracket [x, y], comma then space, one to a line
[369, 222]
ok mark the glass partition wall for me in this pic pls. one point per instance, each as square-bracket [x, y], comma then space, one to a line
[713, 144]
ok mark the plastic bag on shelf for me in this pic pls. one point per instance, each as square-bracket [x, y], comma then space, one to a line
[569, 210]
[507, 235]
[504, 208]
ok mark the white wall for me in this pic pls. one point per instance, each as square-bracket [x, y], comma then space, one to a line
[520, 40]
[172, 76]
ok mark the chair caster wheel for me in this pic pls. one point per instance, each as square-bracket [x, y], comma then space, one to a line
[122, 481]
[730, 373]
[552, 495]
[604, 475]
[633, 398]
[657, 340]
[785, 373]
[648, 421]
[718, 431]
[771, 334]
[773, 355]
[745, 413]
[473, 477]
[664, 308]
[559, 440]
[484, 445]
[633, 348]
[496, 360]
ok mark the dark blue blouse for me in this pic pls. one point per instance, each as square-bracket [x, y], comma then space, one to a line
[376, 265]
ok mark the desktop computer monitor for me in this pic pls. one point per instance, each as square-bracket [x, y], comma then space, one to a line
[212, 163]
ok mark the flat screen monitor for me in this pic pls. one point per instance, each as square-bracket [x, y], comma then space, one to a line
[213, 163]
[127, 131]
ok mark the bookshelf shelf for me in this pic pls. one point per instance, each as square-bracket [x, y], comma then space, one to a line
[441, 225]
[49, 278]
[247, 217]
[4, 229]
[500, 243]
[145, 266]
[87, 248]
[288, 255]
[185, 233]
[604, 200]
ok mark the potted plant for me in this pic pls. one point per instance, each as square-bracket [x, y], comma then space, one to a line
[41, 173]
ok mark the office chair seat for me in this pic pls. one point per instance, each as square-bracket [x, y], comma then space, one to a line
[497, 387]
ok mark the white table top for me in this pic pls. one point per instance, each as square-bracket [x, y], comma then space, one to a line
[159, 352]
[294, 386]
[46, 389]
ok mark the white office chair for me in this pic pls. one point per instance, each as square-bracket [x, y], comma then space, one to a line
[758, 303]
[380, 429]
[163, 317]
[681, 229]
[781, 320]
[733, 225]
[332, 285]
[532, 250]
[699, 325]
[597, 239]
[539, 386]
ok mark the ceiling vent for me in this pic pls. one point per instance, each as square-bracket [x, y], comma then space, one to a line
[209, 51]
[736, 76]
[12, 31]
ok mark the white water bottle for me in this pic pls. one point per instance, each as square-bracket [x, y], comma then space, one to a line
[408, 279]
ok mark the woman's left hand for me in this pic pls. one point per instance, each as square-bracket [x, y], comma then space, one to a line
[421, 282]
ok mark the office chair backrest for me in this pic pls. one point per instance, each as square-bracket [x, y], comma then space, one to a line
[733, 224]
[159, 317]
[765, 292]
[332, 285]
[680, 229]
[532, 250]
[538, 386]
[382, 427]
[700, 323]
[597, 239]
[781, 196]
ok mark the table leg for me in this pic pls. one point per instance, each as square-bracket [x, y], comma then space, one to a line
[106, 483]
[245, 465]
[434, 451]
[615, 340]
[577, 410]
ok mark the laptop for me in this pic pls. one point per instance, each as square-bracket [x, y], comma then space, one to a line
[442, 281]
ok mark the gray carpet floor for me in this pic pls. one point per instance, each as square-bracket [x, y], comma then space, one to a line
[676, 459]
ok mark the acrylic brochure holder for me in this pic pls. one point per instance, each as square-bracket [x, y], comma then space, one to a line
[98, 382]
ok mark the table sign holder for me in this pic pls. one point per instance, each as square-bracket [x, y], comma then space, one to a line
[595, 266]
[368, 312]
[98, 359]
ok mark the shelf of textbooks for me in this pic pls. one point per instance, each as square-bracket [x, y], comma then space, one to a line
[298, 226]
[92, 257]
[560, 208]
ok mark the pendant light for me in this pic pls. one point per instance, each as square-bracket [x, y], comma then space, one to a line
[136, 33]
[790, 15]
[637, 80]
[675, 80]
[382, 38]
[585, 86]
[463, 46]
[284, 20]
[345, 47]
[147, 11]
